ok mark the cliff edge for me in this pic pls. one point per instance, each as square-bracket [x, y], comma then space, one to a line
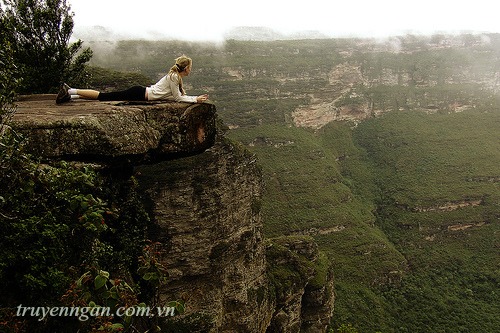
[203, 194]
[135, 132]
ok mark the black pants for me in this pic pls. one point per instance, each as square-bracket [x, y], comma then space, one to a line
[136, 93]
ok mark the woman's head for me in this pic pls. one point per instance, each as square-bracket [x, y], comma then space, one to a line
[182, 65]
[182, 68]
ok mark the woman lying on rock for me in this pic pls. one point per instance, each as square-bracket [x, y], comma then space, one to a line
[168, 88]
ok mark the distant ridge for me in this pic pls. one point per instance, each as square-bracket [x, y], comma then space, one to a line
[98, 33]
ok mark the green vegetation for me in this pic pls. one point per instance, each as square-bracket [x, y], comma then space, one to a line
[60, 221]
[405, 205]
[73, 238]
[38, 33]
[9, 82]
[439, 205]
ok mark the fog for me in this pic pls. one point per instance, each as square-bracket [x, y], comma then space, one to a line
[197, 20]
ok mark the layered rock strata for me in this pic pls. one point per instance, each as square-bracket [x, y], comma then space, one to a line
[205, 209]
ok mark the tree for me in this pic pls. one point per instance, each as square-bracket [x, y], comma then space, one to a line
[9, 81]
[39, 32]
[8, 85]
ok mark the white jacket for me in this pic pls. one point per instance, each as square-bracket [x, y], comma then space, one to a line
[168, 89]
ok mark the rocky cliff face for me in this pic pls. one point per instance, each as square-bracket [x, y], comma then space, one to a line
[205, 208]
[203, 195]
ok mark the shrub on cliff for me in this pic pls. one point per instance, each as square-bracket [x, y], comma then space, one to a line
[39, 33]
[59, 221]
[8, 83]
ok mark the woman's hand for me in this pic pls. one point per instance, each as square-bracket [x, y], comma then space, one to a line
[202, 98]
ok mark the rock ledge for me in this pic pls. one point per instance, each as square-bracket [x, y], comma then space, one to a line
[137, 132]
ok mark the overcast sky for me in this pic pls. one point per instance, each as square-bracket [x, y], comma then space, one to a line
[211, 19]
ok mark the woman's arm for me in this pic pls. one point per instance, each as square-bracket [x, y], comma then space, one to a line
[176, 93]
[179, 97]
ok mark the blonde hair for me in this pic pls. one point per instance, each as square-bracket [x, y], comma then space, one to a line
[180, 65]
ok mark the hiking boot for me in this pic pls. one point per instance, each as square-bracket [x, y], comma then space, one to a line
[63, 96]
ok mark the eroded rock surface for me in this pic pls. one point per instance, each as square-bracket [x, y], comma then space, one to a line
[206, 215]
